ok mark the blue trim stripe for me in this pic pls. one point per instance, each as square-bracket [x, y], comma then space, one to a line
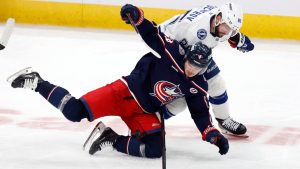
[167, 114]
[219, 99]
[153, 131]
[174, 21]
[187, 12]
[86, 105]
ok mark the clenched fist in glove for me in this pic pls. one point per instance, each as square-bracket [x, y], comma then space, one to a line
[213, 136]
[136, 14]
[1, 46]
[241, 42]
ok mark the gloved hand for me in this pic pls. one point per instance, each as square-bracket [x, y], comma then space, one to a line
[136, 14]
[241, 42]
[1, 47]
[213, 136]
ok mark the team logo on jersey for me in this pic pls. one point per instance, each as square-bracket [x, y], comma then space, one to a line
[193, 90]
[166, 91]
[201, 34]
[168, 39]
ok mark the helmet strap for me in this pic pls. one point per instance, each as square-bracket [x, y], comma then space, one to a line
[216, 23]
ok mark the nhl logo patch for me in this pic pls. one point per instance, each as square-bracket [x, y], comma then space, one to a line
[201, 34]
[193, 90]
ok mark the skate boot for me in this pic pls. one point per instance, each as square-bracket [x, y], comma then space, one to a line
[107, 138]
[25, 78]
[232, 127]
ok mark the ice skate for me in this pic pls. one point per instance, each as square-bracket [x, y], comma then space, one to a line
[25, 78]
[98, 129]
[232, 127]
[107, 138]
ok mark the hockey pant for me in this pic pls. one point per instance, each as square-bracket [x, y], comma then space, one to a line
[113, 99]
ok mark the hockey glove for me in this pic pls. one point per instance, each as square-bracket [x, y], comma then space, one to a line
[136, 14]
[241, 42]
[213, 136]
[1, 46]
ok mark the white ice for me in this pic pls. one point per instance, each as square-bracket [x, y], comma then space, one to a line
[263, 88]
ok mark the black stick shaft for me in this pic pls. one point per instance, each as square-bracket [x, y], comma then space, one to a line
[163, 138]
[132, 24]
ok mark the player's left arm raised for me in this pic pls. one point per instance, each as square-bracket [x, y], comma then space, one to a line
[150, 33]
[241, 42]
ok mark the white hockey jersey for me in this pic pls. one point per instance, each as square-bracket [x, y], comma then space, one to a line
[189, 28]
[192, 26]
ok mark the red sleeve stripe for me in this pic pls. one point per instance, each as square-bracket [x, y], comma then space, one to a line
[173, 60]
[205, 100]
[169, 54]
[198, 87]
[51, 93]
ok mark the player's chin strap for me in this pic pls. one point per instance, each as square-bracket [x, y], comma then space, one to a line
[218, 23]
[215, 23]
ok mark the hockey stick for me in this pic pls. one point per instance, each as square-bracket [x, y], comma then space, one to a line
[163, 133]
[163, 139]
[138, 32]
[6, 33]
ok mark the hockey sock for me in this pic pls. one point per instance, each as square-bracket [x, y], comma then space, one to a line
[149, 146]
[72, 108]
[129, 145]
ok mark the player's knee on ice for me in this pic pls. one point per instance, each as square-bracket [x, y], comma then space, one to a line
[153, 145]
[148, 146]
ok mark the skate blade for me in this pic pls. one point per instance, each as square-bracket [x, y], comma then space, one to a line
[234, 135]
[98, 129]
[11, 78]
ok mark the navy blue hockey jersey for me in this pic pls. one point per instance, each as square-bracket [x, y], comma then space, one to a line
[155, 82]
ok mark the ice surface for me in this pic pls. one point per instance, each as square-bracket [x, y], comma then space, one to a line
[263, 88]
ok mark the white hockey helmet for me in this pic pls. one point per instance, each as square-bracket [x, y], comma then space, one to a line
[232, 15]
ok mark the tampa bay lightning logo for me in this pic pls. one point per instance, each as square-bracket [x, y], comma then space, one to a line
[166, 91]
[201, 34]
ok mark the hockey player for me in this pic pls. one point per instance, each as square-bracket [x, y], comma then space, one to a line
[211, 25]
[137, 97]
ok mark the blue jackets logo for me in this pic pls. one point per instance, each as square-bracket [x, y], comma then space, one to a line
[166, 91]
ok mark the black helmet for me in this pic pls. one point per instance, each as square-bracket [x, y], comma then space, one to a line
[199, 55]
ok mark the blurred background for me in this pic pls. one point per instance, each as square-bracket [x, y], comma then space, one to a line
[262, 19]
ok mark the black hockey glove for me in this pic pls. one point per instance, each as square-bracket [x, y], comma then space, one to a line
[213, 136]
[241, 42]
[136, 14]
[1, 46]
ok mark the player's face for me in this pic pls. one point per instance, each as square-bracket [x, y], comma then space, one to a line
[223, 30]
[191, 70]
